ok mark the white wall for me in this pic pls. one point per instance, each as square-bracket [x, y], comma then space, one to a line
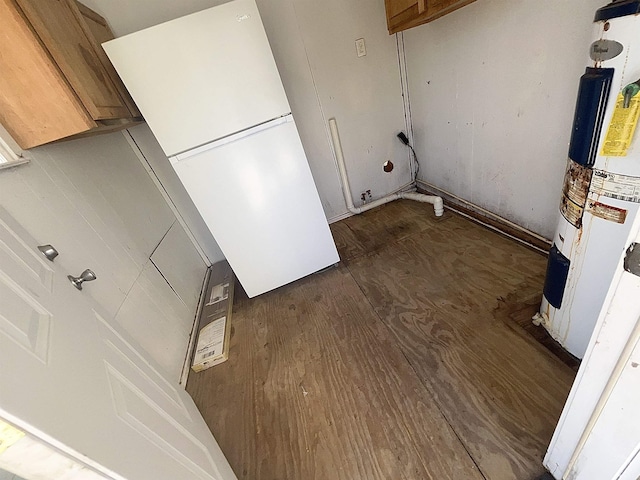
[314, 46]
[152, 152]
[492, 90]
[363, 94]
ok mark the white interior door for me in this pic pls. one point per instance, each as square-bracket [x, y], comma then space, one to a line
[68, 373]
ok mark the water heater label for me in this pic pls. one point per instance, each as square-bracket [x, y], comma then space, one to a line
[607, 212]
[622, 127]
[571, 211]
[613, 185]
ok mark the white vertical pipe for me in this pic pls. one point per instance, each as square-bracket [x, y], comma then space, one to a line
[337, 147]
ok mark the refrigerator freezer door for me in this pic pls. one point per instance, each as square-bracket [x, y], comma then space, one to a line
[258, 197]
[201, 77]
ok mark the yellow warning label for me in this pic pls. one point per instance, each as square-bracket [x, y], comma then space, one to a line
[8, 435]
[622, 127]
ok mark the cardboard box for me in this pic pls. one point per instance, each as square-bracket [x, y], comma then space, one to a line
[214, 328]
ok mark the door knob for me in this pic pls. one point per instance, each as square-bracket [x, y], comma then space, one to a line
[86, 276]
[48, 251]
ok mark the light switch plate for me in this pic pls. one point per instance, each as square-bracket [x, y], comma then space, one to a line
[361, 48]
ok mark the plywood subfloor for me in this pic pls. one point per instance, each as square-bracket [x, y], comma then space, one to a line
[398, 364]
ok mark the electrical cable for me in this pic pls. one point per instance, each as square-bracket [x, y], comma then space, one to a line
[416, 164]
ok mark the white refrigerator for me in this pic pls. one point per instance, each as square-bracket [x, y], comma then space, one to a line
[208, 87]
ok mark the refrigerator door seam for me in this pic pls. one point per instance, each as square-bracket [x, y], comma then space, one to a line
[234, 137]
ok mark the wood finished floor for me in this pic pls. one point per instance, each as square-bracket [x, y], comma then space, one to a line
[401, 363]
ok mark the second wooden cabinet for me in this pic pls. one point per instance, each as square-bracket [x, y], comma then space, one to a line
[404, 14]
[56, 80]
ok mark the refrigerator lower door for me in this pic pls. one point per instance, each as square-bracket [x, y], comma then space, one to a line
[256, 193]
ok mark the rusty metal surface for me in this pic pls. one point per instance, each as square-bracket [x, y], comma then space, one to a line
[574, 192]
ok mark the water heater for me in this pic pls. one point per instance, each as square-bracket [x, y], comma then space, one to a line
[601, 191]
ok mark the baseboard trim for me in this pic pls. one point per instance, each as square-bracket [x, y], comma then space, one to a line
[488, 219]
[339, 217]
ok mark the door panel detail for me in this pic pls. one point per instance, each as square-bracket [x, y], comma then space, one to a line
[23, 319]
[15, 249]
[126, 359]
[27, 323]
[139, 411]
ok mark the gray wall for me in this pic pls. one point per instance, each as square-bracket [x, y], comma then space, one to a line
[492, 90]
[314, 46]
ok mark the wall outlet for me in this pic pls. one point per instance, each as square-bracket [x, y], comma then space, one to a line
[361, 47]
[365, 196]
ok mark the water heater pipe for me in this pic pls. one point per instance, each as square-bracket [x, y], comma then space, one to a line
[346, 188]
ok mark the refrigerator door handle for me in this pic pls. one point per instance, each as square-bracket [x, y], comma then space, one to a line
[232, 138]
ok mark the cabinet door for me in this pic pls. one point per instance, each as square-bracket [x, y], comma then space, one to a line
[438, 8]
[36, 104]
[64, 38]
[97, 30]
[396, 7]
[404, 14]
[399, 12]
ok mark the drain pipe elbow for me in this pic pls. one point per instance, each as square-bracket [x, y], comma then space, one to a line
[438, 205]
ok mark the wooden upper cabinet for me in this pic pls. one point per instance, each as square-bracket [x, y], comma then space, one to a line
[56, 80]
[98, 32]
[36, 104]
[404, 14]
